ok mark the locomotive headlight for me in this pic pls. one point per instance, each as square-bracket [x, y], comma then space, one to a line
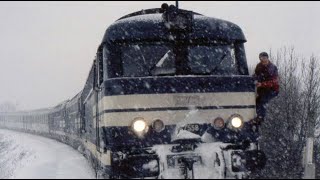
[139, 125]
[236, 121]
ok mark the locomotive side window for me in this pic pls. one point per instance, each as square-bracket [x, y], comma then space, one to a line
[99, 67]
[105, 61]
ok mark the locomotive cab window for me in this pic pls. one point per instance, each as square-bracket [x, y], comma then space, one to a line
[158, 59]
[147, 60]
[212, 60]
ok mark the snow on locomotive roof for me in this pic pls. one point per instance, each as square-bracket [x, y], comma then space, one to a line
[152, 27]
[153, 18]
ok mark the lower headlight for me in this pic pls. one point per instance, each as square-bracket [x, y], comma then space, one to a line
[218, 123]
[139, 125]
[236, 121]
[158, 125]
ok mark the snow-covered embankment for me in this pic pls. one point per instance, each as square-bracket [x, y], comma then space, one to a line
[28, 156]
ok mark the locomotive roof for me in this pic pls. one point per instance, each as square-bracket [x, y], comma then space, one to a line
[139, 27]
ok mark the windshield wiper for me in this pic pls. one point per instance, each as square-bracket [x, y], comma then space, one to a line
[159, 64]
[214, 69]
[221, 60]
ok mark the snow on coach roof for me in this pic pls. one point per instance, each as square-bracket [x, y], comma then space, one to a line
[139, 26]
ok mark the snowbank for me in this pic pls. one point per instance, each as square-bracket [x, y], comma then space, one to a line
[34, 157]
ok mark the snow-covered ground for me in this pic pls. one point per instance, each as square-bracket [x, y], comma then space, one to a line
[33, 157]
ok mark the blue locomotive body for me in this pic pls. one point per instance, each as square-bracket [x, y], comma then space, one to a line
[168, 96]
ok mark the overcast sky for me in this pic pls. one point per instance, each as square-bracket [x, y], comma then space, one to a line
[46, 48]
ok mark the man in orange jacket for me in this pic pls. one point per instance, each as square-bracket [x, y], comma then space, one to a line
[266, 75]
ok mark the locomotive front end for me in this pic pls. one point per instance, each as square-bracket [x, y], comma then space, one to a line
[178, 100]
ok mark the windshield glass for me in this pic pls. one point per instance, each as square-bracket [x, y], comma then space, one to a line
[147, 60]
[212, 60]
[139, 60]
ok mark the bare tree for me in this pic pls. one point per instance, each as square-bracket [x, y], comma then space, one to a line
[311, 103]
[311, 91]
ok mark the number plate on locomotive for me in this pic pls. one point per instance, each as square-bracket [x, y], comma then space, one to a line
[182, 100]
[194, 128]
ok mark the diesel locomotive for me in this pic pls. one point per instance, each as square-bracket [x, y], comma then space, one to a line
[168, 95]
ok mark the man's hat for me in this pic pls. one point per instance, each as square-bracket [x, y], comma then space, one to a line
[263, 54]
